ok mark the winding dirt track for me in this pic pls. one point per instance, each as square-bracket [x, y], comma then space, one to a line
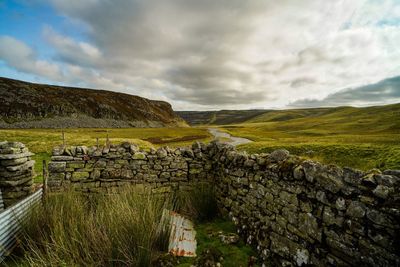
[233, 140]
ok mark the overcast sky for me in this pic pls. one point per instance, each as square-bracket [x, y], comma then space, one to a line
[210, 54]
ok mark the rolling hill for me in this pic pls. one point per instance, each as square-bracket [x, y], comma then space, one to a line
[362, 138]
[219, 117]
[338, 119]
[375, 118]
[29, 105]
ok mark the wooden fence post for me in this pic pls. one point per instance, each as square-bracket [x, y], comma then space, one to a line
[97, 142]
[45, 174]
[63, 137]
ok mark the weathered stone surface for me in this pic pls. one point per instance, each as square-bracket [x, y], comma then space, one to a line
[15, 183]
[330, 178]
[57, 166]
[381, 219]
[382, 191]
[70, 151]
[387, 180]
[278, 155]
[289, 249]
[95, 174]
[16, 172]
[356, 209]
[25, 166]
[340, 203]
[308, 226]
[13, 162]
[139, 155]
[392, 172]
[78, 176]
[75, 164]
[16, 156]
[56, 176]
[62, 158]
[311, 169]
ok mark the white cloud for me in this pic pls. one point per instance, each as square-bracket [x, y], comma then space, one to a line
[18, 55]
[71, 51]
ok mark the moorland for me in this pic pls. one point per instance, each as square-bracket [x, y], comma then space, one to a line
[362, 138]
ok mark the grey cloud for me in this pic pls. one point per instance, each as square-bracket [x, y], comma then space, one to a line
[221, 53]
[311, 56]
[171, 34]
[215, 96]
[201, 48]
[385, 91]
[299, 82]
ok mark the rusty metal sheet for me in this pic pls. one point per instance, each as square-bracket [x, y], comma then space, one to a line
[182, 241]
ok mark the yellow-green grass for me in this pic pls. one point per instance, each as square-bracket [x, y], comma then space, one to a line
[238, 254]
[73, 229]
[356, 149]
[359, 138]
[42, 141]
[126, 229]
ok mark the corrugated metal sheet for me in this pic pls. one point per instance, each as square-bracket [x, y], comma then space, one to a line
[11, 219]
[182, 240]
[1, 202]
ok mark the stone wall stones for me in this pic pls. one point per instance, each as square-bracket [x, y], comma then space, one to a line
[105, 169]
[295, 212]
[16, 172]
[299, 212]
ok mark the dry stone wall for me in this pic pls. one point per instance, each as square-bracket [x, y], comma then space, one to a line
[299, 212]
[105, 169]
[16, 172]
[294, 211]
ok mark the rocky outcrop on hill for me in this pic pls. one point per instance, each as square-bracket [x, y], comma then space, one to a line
[29, 105]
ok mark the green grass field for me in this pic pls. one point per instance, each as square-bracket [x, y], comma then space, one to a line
[42, 141]
[360, 138]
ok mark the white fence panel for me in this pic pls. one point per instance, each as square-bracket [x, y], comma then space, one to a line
[11, 219]
[1, 202]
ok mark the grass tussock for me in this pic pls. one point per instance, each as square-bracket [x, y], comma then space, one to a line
[72, 229]
[125, 229]
[200, 203]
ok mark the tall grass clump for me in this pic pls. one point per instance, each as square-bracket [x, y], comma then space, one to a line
[199, 203]
[73, 229]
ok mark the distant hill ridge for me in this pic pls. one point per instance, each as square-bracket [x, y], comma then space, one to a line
[386, 115]
[30, 105]
[219, 117]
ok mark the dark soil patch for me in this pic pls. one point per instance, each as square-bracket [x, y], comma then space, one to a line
[160, 140]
